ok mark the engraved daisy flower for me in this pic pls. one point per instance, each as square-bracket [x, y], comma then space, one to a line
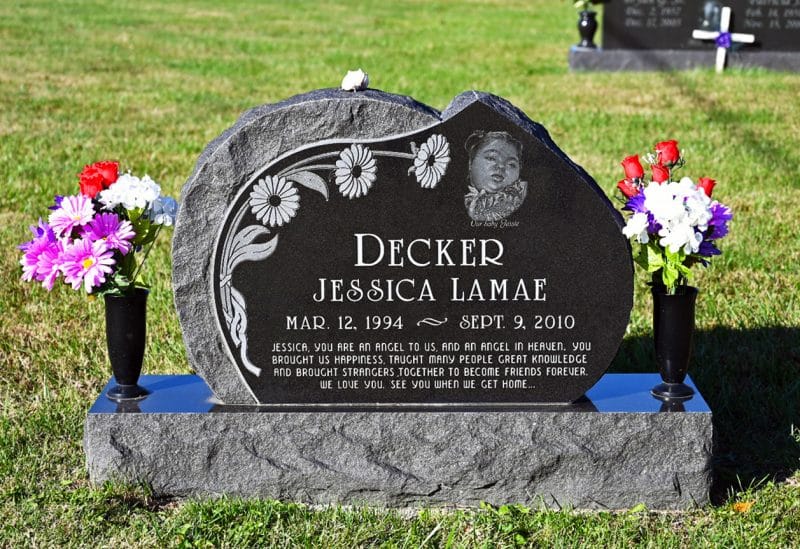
[355, 171]
[431, 161]
[274, 201]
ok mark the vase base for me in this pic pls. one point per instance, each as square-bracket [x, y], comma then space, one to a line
[120, 392]
[672, 392]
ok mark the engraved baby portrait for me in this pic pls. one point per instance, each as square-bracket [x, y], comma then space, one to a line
[496, 190]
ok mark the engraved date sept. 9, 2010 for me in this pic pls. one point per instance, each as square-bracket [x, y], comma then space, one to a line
[396, 322]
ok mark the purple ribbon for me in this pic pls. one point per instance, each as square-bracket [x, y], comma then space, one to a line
[724, 40]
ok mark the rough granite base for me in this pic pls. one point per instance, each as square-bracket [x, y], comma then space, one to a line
[618, 448]
[586, 59]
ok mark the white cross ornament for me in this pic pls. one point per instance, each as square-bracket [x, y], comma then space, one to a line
[723, 38]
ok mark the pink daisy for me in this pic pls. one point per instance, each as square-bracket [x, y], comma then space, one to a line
[74, 211]
[41, 258]
[49, 265]
[88, 263]
[116, 233]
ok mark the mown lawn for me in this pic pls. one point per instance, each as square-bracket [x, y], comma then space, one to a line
[151, 84]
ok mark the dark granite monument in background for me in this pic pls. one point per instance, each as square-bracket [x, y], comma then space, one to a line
[657, 35]
[386, 304]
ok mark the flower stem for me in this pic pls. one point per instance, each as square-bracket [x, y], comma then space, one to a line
[289, 173]
[144, 257]
[392, 154]
[305, 162]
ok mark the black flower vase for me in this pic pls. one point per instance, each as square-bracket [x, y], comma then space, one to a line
[587, 27]
[125, 336]
[673, 330]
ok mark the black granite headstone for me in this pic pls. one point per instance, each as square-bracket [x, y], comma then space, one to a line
[668, 25]
[501, 278]
[470, 262]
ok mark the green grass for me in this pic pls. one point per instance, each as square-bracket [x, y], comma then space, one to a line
[150, 85]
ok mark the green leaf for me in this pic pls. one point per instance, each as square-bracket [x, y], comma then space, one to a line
[655, 256]
[142, 228]
[670, 276]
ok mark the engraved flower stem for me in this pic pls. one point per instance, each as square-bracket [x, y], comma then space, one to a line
[288, 173]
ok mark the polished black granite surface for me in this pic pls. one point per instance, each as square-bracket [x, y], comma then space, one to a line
[189, 394]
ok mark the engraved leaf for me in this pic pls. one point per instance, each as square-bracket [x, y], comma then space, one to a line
[225, 297]
[239, 331]
[244, 249]
[311, 181]
[238, 322]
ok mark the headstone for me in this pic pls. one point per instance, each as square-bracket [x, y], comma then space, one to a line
[647, 35]
[467, 262]
[390, 305]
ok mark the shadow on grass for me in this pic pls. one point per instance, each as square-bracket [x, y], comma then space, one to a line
[751, 381]
[737, 123]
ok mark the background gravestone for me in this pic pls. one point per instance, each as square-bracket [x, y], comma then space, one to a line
[647, 35]
[384, 271]
[643, 24]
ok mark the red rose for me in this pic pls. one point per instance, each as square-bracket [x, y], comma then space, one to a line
[707, 184]
[668, 153]
[98, 176]
[660, 173]
[627, 188]
[91, 182]
[109, 170]
[633, 168]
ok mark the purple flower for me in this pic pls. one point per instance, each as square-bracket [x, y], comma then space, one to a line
[41, 260]
[653, 226]
[708, 249]
[39, 231]
[86, 262]
[57, 204]
[718, 226]
[108, 227]
[724, 40]
[74, 211]
[49, 265]
[636, 204]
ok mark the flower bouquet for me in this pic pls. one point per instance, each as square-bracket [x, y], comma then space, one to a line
[91, 238]
[91, 241]
[675, 225]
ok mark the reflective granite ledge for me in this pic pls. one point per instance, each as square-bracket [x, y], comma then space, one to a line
[189, 394]
[611, 451]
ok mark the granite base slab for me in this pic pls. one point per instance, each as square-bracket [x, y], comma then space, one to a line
[586, 59]
[614, 449]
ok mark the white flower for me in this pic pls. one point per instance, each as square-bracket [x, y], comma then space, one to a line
[355, 81]
[683, 212]
[163, 211]
[637, 227]
[131, 192]
[431, 161]
[679, 236]
[355, 171]
[659, 200]
[274, 201]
